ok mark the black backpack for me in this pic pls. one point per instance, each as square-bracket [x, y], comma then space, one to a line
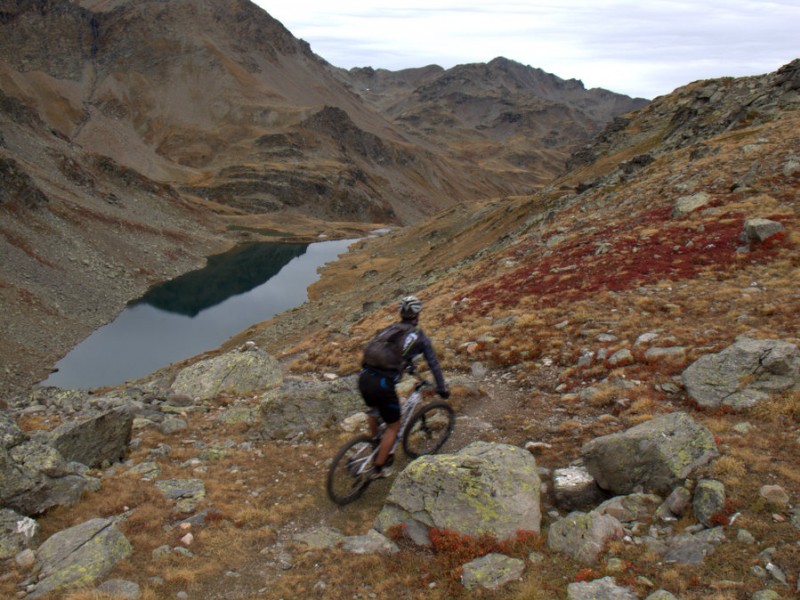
[385, 351]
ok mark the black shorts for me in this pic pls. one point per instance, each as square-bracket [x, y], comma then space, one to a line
[378, 392]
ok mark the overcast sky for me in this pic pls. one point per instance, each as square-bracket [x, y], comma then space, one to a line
[641, 48]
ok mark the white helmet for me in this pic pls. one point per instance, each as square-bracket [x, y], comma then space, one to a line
[410, 307]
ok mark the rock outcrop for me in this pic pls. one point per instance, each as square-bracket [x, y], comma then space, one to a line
[743, 374]
[483, 489]
[243, 371]
[79, 556]
[34, 476]
[300, 407]
[96, 440]
[655, 455]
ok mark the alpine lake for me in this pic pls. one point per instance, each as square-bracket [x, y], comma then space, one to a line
[196, 312]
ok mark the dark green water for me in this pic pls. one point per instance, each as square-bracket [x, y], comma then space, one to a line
[196, 312]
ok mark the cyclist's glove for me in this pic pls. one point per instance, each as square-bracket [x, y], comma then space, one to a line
[444, 394]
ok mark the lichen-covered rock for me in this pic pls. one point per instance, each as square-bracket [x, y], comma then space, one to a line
[687, 204]
[583, 535]
[10, 433]
[492, 571]
[79, 556]
[93, 441]
[708, 501]
[307, 406]
[599, 589]
[35, 477]
[239, 372]
[655, 455]
[483, 489]
[744, 373]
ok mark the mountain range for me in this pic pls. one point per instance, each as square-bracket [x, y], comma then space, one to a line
[137, 136]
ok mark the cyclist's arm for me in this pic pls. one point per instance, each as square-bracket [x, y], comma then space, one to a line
[433, 362]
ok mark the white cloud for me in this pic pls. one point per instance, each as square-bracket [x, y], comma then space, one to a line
[633, 47]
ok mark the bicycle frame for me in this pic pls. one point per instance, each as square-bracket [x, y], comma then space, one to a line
[409, 406]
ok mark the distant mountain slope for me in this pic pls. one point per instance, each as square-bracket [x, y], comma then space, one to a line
[217, 96]
[600, 249]
[514, 120]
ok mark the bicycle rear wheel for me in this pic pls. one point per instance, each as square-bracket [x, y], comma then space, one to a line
[347, 478]
[428, 429]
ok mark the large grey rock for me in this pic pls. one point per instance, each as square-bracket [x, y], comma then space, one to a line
[35, 477]
[744, 373]
[654, 455]
[306, 406]
[759, 230]
[79, 555]
[492, 571]
[17, 533]
[240, 372]
[599, 589]
[93, 441]
[583, 535]
[687, 204]
[483, 489]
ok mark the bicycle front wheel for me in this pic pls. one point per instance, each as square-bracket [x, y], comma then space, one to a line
[347, 477]
[428, 429]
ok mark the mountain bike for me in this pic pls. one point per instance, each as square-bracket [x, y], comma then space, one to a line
[424, 428]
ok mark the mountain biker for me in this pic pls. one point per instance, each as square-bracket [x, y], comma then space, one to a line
[377, 385]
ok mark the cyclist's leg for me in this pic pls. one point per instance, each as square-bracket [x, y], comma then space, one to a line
[379, 392]
[387, 441]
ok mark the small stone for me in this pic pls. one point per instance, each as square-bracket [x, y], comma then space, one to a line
[775, 495]
[25, 559]
[187, 540]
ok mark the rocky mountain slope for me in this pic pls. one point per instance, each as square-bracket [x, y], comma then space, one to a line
[513, 120]
[563, 318]
[184, 127]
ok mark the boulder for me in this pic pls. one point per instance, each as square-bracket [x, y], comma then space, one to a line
[687, 204]
[485, 488]
[239, 372]
[655, 455]
[583, 535]
[492, 571]
[35, 477]
[743, 374]
[305, 406]
[599, 589]
[758, 230]
[79, 555]
[93, 441]
[17, 533]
